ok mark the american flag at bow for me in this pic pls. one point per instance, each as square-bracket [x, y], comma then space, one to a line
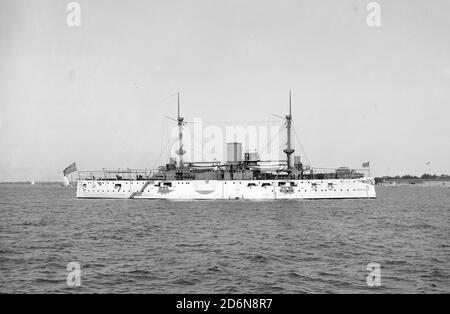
[70, 169]
[366, 164]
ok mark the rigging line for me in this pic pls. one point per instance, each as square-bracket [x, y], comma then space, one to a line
[196, 140]
[163, 133]
[273, 121]
[163, 129]
[229, 122]
[301, 146]
[167, 97]
[195, 149]
[168, 143]
[262, 122]
[270, 141]
[189, 145]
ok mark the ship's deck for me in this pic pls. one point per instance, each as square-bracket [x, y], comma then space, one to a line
[189, 174]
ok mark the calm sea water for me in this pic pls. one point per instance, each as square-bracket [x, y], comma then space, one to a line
[147, 246]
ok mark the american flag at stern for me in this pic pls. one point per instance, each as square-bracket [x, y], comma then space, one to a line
[70, 169]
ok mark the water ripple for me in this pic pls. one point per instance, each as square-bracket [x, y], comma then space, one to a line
[225, 247]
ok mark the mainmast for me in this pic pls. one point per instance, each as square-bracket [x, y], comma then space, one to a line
[180, 151]
[289, 150]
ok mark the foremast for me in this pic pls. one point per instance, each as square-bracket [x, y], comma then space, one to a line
[180, 152]
[289, 150]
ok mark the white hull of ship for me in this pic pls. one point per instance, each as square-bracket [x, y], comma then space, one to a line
[226, 189]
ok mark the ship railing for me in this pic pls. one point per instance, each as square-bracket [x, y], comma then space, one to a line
[336, 173]
[155, 174]
[117, 174]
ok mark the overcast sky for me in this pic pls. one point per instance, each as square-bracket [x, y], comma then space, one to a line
[96, 94]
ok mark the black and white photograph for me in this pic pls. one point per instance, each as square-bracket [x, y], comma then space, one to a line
[224, 152]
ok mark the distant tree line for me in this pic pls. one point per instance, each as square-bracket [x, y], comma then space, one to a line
[407, 176]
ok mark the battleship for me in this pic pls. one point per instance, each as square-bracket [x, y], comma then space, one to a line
[243, 176]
